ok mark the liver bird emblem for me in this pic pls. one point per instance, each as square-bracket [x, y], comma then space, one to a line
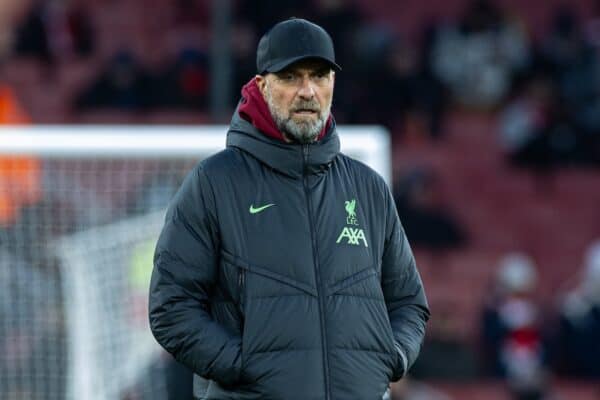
[350, 206]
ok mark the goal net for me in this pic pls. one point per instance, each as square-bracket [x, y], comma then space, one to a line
[80, 212]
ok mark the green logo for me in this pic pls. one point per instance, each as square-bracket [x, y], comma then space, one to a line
[350, 206]
[259, 209]
[353, 235]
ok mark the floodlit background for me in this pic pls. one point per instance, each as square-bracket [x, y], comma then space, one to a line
[494, 113]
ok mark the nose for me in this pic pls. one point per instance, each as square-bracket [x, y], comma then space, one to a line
[307, 91]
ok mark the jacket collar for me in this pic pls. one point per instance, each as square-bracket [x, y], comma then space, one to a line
[290, 159]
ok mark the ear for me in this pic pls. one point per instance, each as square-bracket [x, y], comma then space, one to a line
[261, 82]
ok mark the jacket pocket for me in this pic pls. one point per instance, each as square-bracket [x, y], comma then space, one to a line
[265, 273]
[351, 280]
[266, 299]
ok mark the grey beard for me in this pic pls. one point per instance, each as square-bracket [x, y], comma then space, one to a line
[299, 132]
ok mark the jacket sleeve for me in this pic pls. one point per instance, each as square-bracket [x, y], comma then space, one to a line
[185, 270]
[403, 292]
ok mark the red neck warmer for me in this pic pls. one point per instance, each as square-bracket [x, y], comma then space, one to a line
[255, 110]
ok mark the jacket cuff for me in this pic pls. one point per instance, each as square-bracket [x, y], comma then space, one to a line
[403, 361]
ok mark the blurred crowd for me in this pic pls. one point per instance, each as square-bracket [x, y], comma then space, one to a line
[524, 342]
[543, 94]
[547, 91]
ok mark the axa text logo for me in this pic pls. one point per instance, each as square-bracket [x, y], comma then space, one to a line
[352, 234]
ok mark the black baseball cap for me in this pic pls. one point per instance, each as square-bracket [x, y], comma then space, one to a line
[293, 40]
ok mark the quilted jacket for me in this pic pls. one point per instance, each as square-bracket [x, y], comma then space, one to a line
[283, 272]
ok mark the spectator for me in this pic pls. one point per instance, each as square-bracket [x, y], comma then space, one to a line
[122, 84]
[371, 44]
[55, 30]
[538, 130]
[32, 37]
[524, 121]
[80, 30]
[9, 14]
[511, 329]
[430, 96]
[526, 115]
[405, 89]
[579, 329]
[573, 60]
[265, 13]
[565, 45]
[423, 214]
[392, 90]
[479, 58]
[244, 42]
[342, 19]
[352, 38]
[185, 83]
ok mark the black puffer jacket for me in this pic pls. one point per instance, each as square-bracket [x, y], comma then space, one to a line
[282, 272]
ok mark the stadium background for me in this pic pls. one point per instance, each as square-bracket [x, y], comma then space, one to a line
[493, 112]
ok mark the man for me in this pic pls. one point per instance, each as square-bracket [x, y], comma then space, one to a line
[282, 271]
[577, 347]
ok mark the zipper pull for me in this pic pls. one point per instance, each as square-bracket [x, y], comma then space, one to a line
[305, 154]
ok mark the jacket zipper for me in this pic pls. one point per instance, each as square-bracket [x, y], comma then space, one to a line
[317, 275]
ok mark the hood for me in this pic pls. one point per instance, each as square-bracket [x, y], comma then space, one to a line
[254, 109]
[287, 158]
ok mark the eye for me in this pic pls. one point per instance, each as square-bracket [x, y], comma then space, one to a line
[287, 77]
[321, 75]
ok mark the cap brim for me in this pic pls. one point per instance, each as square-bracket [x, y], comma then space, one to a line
[286, 63]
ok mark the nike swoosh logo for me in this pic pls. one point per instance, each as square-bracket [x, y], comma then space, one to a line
[259, 209]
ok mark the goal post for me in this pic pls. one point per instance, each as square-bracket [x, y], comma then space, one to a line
[368, 143]
[75, 265]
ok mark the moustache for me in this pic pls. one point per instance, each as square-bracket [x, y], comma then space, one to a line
[307, 106]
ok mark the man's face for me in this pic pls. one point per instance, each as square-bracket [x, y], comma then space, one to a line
[299, 98]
